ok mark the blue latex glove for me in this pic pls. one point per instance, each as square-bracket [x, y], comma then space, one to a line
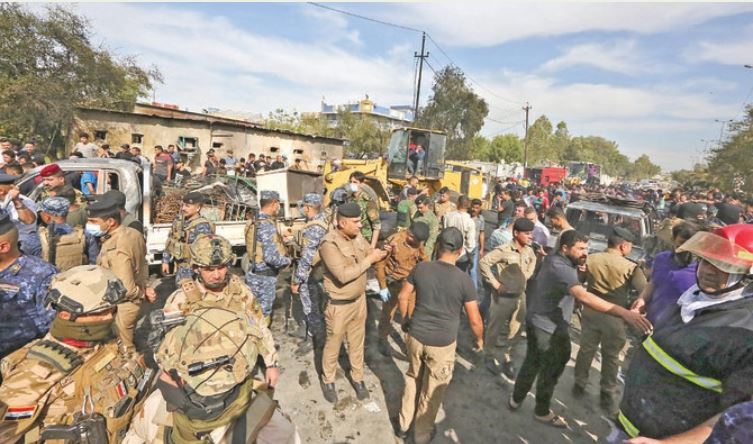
[384, 294]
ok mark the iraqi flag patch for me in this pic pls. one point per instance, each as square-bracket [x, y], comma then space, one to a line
[17, 413]
[121, 389]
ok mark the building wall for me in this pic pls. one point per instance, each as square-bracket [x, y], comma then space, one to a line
[164, 131]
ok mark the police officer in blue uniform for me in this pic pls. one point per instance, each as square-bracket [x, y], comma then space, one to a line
[266, 252]
[184, 231]
[23, 214]
[23, 286]
[307, 278]
[53, 211]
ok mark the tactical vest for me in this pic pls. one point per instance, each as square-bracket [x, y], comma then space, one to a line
[316, 273]
[177, 243]
[48, 383]
[257, 256]
[70, 249]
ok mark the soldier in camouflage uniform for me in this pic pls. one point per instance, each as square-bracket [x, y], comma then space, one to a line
[23, 286]
[206, 390]
[183, 232]
[76, 384]
[215, 286]
[307, 279]
[371, 225]
[54, 179]
[62, 245]
[406, 209]
[266, 252]
[427, 216]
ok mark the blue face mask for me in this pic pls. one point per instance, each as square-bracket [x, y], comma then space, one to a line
[95, 230]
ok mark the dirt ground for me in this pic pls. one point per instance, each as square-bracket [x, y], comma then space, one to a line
[474, 409]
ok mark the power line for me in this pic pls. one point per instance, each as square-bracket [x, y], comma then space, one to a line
[408, 28]
[506, 129]
[471, 79]
[362, 17]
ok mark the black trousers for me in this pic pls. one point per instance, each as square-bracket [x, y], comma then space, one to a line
[546, 358]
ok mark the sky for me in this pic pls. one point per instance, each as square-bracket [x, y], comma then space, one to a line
[659, 79]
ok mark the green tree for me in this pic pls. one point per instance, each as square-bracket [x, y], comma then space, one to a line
[540, 148]
[48, 66]
[454, 108]
[643, 168]
[504, 148]
[733, 158]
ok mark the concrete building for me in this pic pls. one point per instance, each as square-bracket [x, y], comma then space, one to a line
[158, 124]
[386, 118]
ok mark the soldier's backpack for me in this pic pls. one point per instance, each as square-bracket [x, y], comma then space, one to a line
[69, 249]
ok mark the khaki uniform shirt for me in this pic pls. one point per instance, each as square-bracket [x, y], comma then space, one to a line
[124, 253]
[345, 265]
[440, 209]
[611, 276]
[401, 260]
[507, 254]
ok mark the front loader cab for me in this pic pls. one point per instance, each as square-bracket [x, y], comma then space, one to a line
[416, 152]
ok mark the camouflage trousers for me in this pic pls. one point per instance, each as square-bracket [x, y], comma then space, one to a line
[311, 300]
[264, 288]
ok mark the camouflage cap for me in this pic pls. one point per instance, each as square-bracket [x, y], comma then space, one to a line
[312, 199]
[55, 206]
[212, 352]
[85, 289]
[211, 250]
[269, 195]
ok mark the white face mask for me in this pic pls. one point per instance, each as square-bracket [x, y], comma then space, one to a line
[353, 188]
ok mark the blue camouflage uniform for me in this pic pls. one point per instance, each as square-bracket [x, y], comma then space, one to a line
[58, 206]
[182, 234]
[28, 237]
[23, 316]
[262, 275]
[184, 270]
[310, 283]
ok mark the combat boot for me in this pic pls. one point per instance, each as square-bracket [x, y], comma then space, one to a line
[330, 392]
[361, 392]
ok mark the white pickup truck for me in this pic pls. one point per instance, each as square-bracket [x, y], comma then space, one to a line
[128, 177]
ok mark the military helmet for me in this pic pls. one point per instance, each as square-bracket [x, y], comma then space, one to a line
[85, 289]
[211, 250]
[212, 352]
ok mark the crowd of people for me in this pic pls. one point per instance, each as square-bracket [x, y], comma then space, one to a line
[82, 330]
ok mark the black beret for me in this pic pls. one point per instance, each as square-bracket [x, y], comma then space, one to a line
[350, 209]
[7, 179]
[116, 195]
[102, 206]
[194, 197]
[523, 224]
[6, 224]
[451, 239]
[623, 233]
[420, 230]
[443, 190]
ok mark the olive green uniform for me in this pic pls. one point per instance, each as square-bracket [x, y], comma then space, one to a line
[430, 219]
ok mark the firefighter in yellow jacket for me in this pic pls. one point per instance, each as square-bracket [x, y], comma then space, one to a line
[78, 383]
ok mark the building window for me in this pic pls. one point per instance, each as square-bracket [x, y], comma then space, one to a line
[274, 149]
[100, 135]
[298, 152]
[137, 138]
[189, 143]
[216, 145]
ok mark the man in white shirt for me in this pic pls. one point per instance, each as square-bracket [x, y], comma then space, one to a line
[86, 148]
[540, 231]
[463, 221]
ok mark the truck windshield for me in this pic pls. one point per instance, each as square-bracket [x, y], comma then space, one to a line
[599, 224]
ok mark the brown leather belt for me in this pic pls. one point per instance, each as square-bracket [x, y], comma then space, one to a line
[343, 301]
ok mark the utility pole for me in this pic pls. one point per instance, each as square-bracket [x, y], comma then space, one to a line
[421, 58]
[525, 141]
